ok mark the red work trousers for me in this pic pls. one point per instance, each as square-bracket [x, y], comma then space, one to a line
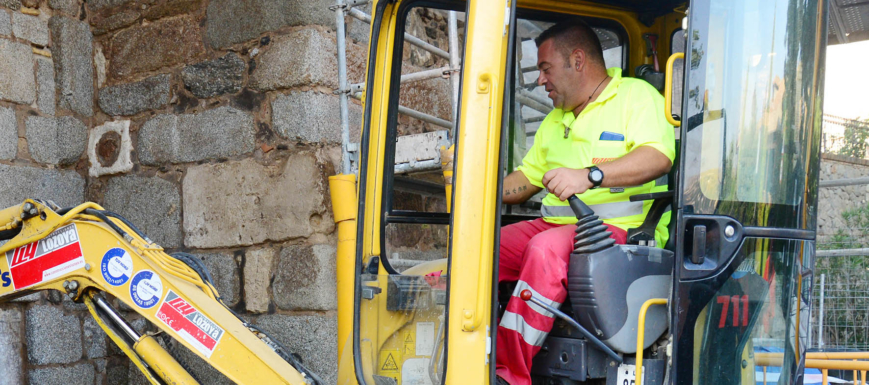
[536, 255]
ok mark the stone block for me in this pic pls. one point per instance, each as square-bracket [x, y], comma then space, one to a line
[11, 363]
[109, 148]
[52, 337]
[359, 30]
[16, 72]
[301, 58]
[313, 117]
[58, 140]
[101, 4]
[70, 7]
[94, 339]
[244, 203]
[257, 277]
[100, 66]
[64, 187]
[8, 134]
[5, 24]
[171, 8]
[30, 28]
[163, 43]
[152, 204]
[114, 21]
[82, 373]
[224, 270]
[236, 21]
[45, 99]
[311, 337]
[72, 50]
[215, 77]
[133, 98]
[217, 133]
[305, 278]
[11, 4]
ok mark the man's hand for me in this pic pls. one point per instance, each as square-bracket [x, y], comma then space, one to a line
[564, 182]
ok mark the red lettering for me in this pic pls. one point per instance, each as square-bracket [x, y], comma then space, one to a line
[24, 254]
[182, 306]
[745, 311]
[735, 301]
[725, 303]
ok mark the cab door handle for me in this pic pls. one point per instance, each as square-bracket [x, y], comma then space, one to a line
[698, 250]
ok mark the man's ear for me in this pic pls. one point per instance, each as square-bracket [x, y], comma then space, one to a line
[578, 60]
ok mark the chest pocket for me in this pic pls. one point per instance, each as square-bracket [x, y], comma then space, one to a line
[608, 146]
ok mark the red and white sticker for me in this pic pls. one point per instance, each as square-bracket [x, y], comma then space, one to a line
[193, 326]
[57, 254]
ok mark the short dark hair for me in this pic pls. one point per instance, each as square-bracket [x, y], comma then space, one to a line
[573, 34]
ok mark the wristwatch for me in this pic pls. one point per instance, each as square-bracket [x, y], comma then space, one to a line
[595, 176]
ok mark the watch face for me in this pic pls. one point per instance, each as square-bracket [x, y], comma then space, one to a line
[596, 175]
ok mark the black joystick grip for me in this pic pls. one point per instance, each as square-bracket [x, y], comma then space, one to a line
[580, 209]
[591, 233]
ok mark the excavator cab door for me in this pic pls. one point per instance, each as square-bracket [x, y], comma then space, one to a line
[747, 196]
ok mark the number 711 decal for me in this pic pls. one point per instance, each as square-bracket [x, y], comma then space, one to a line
[736, 300]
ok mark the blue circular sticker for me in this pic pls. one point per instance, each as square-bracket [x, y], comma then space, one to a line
[117, 266]
[146, 288]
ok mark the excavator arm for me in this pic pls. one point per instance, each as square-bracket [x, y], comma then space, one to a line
[90, 253]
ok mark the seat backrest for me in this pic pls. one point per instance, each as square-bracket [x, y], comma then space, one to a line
[607, 289]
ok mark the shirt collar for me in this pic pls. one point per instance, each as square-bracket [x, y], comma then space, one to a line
[566, 117]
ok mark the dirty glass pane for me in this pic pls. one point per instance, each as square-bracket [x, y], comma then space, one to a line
[677, 44]
[751, 126]
[427, 97]
[748, 327]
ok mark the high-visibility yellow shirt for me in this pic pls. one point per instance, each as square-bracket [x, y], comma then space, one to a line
[629, 113]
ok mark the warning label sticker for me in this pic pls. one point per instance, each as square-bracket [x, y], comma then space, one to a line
[57, 254]
[193, 326]
[389, 361]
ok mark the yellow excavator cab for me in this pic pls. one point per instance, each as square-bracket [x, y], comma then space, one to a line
[451, 105]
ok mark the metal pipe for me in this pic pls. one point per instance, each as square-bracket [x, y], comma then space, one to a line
[641, 334]
[531, 103]
[845, 182]
[418, 115]
[426, 165]
[455, 62]
[425, 117]
[821, 316]
[537, 98]
[412, 77]
[408, 37]
[116, 319]
[843, 253]
[535, 119]
[342, 85]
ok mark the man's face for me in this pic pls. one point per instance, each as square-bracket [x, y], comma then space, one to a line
[555, 74]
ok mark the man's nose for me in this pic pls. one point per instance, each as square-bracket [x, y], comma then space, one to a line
[540, 79]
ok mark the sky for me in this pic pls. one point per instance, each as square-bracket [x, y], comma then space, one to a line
[846, 91]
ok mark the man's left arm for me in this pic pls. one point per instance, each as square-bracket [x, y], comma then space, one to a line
[642, 165]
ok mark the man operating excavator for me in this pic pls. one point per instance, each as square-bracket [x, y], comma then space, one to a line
[605, 140]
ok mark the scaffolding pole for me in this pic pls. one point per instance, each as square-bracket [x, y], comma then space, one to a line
[342, 86]
[455, 62]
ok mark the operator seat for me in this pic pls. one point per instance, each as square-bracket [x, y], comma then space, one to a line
[608, 287]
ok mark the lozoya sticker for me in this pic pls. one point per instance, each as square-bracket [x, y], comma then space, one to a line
[117, 266]
[146, 288]
[50, 257]
[193, 326]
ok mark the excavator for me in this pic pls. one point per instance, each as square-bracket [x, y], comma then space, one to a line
[418, 210]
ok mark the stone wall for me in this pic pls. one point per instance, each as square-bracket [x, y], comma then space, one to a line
[212, 125]
[833, 201]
